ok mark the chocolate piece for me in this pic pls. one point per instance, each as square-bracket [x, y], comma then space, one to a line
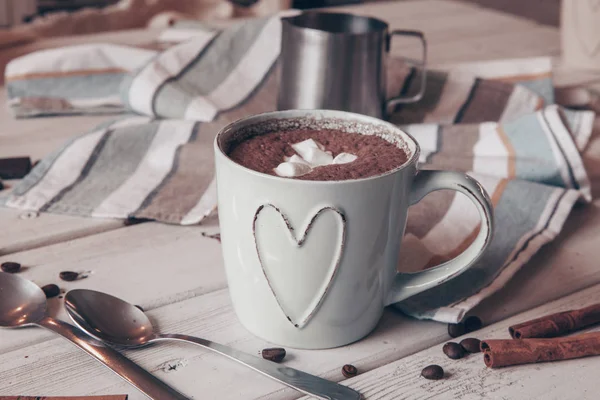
[453, 350]
[502, 353]
[471, 345]
[433, 372]
[349, 371]
[15, 167]
[10, 267]
[472, 324]
[456, 330]
[263, 153]
[68, 276]
[275, 354]
[51, 290]
[557, 324]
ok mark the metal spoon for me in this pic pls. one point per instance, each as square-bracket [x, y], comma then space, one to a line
[23, 303]
[119, 323]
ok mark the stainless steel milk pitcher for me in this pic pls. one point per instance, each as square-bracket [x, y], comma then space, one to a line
[338, 62]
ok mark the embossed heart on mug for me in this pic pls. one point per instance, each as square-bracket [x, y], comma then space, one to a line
[299, 268]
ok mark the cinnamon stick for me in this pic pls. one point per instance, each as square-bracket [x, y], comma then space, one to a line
[112, 397]
[557, 324]
[502, 353]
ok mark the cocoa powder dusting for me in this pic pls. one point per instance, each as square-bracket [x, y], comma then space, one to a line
[263, 153]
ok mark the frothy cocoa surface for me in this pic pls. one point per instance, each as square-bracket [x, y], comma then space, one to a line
[263, 153]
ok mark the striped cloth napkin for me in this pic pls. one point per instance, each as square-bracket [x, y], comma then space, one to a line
[495, 120]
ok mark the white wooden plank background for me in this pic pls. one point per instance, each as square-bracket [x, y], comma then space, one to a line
[187, 302]
[470, 379]
[178, 276]
[21, 230]
[149, 264]
[210, 316]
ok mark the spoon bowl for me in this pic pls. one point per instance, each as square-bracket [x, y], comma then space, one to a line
[122, 324]
[22, 302]
[109, 318]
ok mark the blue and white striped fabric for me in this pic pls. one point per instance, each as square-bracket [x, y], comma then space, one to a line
[495, 120]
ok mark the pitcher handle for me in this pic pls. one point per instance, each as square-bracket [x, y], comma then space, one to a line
[408, 284]
[422, 64]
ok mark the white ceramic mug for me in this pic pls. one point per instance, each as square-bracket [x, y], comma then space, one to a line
[312, 264]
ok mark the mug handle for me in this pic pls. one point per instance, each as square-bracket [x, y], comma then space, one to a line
[422, 64]
[408, 284]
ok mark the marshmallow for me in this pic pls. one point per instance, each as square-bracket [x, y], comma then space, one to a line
[317, 157]
[311, 154]
[307, 144]
[344, 158]
[296, 159]
[292, 169]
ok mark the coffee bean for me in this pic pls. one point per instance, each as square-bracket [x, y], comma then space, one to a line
[275, 354]
[472, 324]
[434, 372]
[456, 330]
[68, 276]
[349, 370]
[51, 290]
[140, 307]
[453, 350]
[10, 267]
[471, 345]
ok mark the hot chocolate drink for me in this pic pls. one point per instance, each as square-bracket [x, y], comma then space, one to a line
[324, 154]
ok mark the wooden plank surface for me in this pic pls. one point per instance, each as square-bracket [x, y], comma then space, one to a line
[186, 294]
[149, 264]
[22, 230]
[469, 378]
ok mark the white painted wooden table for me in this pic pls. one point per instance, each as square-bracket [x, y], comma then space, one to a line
[177, 275]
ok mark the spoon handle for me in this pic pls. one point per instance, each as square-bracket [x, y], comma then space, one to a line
[121, 365]
[301, 381]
